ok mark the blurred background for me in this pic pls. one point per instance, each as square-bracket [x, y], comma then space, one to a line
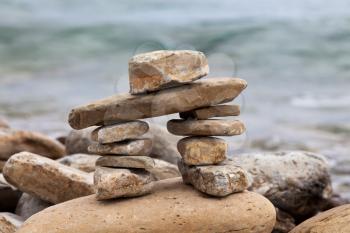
[295, 55]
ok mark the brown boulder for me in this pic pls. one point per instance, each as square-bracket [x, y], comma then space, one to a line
[173, 207]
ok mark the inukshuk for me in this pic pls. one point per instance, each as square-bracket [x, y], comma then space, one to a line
[162, 83]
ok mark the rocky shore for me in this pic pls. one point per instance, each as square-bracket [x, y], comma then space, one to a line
[117, 172]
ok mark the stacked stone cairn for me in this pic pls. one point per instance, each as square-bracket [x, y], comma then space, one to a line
[162, 83]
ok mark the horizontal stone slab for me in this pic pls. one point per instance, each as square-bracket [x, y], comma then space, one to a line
[202, 150]
[117, 182]
[205, 127]
[215, 180]
[126, 107]
[142, 162]
[212, 111]
[130, 147]
[172, 208]
[164, 68]
[119, 132]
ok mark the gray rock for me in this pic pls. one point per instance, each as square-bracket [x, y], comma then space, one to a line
[47, 179]
[162, 69]
[78, 141]
[205, 127]
[217, 180]
[116, 182]
[83, 162]
[9, 223]
[126, 107]
[296, 182]
[137, 147]
[284, 222]
[120, 132]
[211, 111]
[164, 170]
[202, 150]
[29, 205]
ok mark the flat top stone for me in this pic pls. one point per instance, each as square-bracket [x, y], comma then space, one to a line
[206, 127]
[119, 132]
[162, 69]
[143, 162]
[212, 111]
[126, 107]
[173, 207]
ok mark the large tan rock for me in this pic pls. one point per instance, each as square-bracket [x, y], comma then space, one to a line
[296, 182]
[202, 150]
[179, 99]
[173, 207]
[216, 180]
[9, 222]
[137, 147]
[335, 220]
[120, 132]
[83, 162]
[29, 205]
[118, 182]
[78, 141]
[162, 69]
[206, 127]
[14, 141]
[211, 111]
[47, 179]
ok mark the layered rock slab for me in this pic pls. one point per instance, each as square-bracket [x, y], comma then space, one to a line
[211, 111]
[46, 179]
[162, 69]
[142, 162]
[126, 107]
[141, 147]
[15, 141]
[120, 132]
[205, 127]
[216, 180]
[113, 183]
[202, 150]
[173, 207]
[333, 220]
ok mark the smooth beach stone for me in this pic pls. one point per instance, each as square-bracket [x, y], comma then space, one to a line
[126, 107]
[164, 144]
[9, 222]
[9, 195]
[78, 141]
[211, 111]
[83, 162]
[14, 141]
[333, 220]
[120, 132]
[173, 207]
[118, 182]
[164, 68]
[29, 205]
[205, 127]
[297, 182]
[215, 180]
[164, 170]
[142, 162]
[137, 147]
[202, 150]
[47, 179]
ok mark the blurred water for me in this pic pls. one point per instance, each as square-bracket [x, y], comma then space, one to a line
[295, 56]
